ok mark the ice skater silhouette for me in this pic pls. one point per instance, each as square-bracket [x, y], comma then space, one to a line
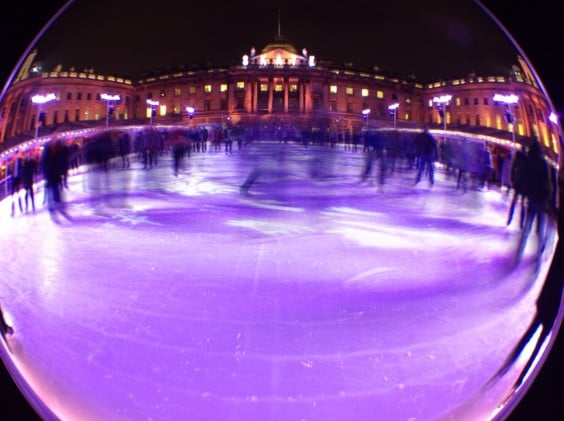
[548, 306]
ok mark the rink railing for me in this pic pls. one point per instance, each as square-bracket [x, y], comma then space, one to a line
[38, 142]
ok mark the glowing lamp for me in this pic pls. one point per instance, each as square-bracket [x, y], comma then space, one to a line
[443, 99]
[108, 97]
[42, 99]
[506, 99]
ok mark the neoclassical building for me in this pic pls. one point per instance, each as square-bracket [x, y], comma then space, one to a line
[281, 87]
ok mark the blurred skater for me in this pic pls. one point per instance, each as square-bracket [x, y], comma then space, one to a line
[16, 171]
[518, 177]
[180, 145]
[28, 179]
[53, 167]
[537, 189]
[426, 151]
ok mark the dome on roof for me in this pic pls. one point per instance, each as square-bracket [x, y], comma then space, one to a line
[284, 46]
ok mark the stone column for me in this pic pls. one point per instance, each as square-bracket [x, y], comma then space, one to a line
[286, 88]
[270, 89]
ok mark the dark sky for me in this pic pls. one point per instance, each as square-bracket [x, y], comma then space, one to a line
[430, 39]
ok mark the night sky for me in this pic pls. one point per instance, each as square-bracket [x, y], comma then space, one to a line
[441, 39]
[131, 37]
[431, 40]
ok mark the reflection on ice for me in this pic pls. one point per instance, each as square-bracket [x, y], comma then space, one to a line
[310, 293]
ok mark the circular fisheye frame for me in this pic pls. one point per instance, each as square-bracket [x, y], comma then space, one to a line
[251, 212]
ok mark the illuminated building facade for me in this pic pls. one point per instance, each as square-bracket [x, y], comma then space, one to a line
[280, 87]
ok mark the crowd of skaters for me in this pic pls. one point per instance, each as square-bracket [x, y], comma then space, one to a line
[469, 164]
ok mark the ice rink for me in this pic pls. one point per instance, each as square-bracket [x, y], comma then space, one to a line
[313, 296]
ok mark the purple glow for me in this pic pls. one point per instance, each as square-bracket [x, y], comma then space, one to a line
[309, 298]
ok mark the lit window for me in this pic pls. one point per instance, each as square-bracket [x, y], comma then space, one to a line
[240, 85]
[364, 92]
[380, 94]
[293, 87]
[350, 91]
[457, 101]
[162, 109]
[223, 87]
[263, 87]
[207, 89]
[192, 90]
[177, 91]
[278, 87]
[333, 89]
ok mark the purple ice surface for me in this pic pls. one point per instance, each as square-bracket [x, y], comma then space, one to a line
[307, 298]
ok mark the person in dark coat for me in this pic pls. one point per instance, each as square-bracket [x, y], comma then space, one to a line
[373, 146]
[53, 168]
[518, 176]
[28, 179]
[15, 169]
[124, 148]
[426, 151]
[538, 190]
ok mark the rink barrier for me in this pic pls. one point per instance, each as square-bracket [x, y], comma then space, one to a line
[445, 135]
